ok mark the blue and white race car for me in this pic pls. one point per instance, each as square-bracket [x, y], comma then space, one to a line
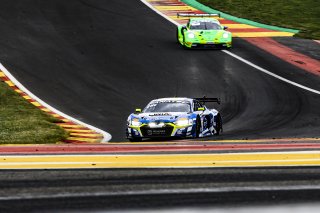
[174, 117]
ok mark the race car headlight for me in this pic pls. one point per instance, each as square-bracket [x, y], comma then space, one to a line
[225, 35]
[183, 122]
[191, 35]
[135, 122]
[155, 125]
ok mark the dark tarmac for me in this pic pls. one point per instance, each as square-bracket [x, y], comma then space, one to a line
[156, 189]
[99, 60]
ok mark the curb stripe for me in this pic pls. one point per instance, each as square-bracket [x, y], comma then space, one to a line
[259, 159]
[295, 58]
[67, 121]
[206, 9]
[238, 29]
[94, 149]
[271, 74]
[240, 58]
[262, 34]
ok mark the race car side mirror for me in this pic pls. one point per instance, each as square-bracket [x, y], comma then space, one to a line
[225, 28]
[138, 110]
[201, 109]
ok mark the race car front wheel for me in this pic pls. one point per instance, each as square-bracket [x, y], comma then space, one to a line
[218, 124]
[135, 139]
[178, 41]
[198, 127]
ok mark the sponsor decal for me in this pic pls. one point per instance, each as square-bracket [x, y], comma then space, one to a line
[156, 132]
[160, 114]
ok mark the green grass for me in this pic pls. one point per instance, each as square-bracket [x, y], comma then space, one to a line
[303, 15]
[23, 123]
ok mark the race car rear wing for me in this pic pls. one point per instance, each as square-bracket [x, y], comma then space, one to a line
[198, 15]
[207, 100]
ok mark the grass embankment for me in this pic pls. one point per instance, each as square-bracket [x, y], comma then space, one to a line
[23, 123]
[303, 15]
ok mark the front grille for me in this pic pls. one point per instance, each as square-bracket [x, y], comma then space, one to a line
[156, 132]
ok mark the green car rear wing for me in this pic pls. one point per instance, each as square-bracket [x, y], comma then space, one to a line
[198, 15]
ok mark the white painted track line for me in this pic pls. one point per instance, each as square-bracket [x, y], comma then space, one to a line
[164, 191]
[240, 58]
[106, 135]
[270, 73]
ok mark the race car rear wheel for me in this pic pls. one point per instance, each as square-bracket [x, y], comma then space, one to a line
[218, 125]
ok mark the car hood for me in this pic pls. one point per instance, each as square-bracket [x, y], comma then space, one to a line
[161, 116]
[208, 34]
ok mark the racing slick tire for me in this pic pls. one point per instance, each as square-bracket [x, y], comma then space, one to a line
[218, 125]
[178, 36]
[184, 44]
[198, 127]
[135, 139]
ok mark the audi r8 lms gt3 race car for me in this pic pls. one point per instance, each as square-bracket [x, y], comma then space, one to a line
[202, 31]
[174, 117]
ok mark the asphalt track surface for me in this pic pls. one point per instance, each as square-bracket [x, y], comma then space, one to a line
[99, 60]
[154, 189]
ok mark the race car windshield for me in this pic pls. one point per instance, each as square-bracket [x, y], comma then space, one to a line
[204, 25]
[168, 107]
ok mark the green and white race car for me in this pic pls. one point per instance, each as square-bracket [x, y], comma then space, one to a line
[203, 31]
